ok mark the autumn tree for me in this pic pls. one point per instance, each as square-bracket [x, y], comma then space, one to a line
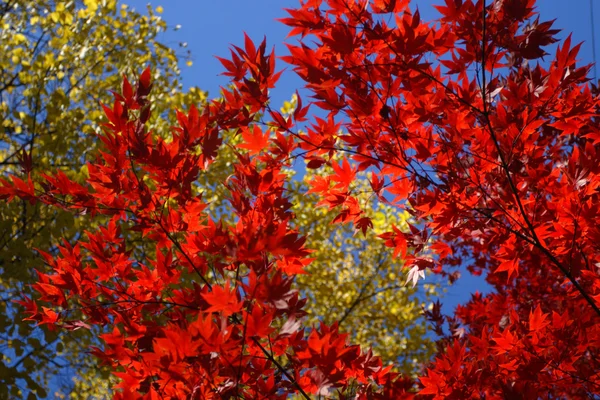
[57, 68]
[59, 60]
[462, 123]
[457, 122]
[235, 330]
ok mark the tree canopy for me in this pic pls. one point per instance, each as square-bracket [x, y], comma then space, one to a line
[61, 61]
[477, 153]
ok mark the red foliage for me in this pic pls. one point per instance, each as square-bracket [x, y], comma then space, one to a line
[494, 152]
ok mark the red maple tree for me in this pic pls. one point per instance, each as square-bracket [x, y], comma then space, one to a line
[459, 121]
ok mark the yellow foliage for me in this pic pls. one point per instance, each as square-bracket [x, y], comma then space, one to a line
[355, 280]
[58, 60]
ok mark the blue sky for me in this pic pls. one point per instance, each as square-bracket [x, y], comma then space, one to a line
[209, 27]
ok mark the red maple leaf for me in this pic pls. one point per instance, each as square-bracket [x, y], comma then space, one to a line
[255, 139]
[222, 300]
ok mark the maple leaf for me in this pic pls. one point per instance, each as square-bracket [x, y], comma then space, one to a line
[75, 325]
[258, 323]
[51, 293]
[505, 342]
[49, 317]
[30, 307]
[363, 224]
[344, 174]
[255, 139]
[537, 320]
[511, 266]
[414, 274]
[223, 300]
[291, 326]
[433, 383]
[397, 240]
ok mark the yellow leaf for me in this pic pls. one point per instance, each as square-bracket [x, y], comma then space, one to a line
[92, 5]
[159, 9]
[68, 17]
[189, 63]
[20, 38]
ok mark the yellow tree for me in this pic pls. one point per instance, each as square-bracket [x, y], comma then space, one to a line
[355, 280]
[59, 60]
